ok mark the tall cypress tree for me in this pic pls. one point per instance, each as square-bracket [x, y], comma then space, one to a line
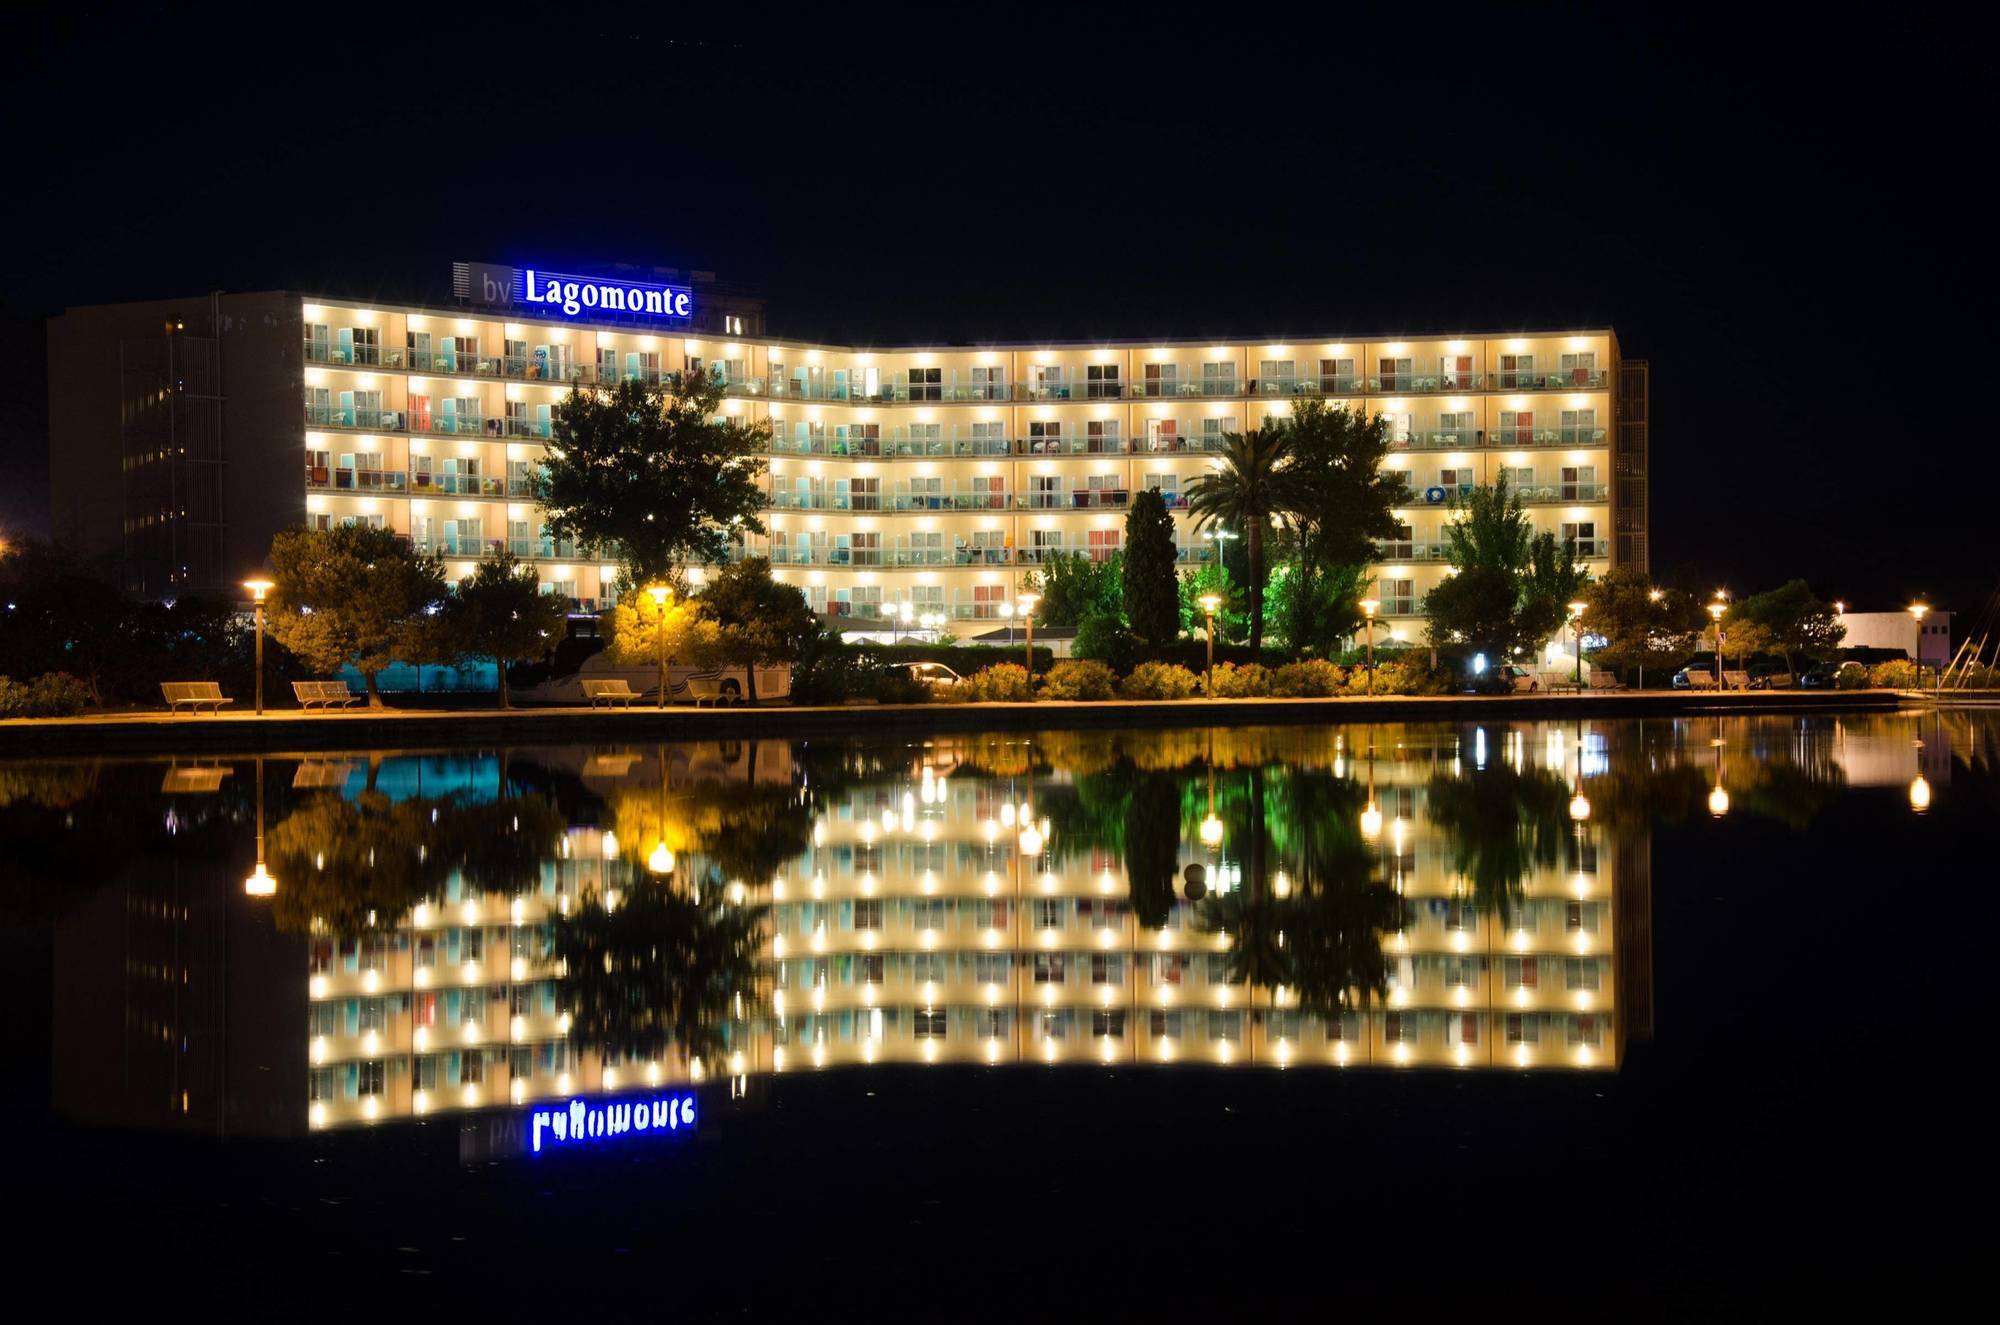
[1152, 600]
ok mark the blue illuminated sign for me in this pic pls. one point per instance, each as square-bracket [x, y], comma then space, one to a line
[585, 1123]
[572, 296]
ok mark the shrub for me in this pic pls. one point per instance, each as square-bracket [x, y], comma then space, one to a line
[1101, 637]
[1898, 675]
[1245, 682]
[950, 694]
[895, 685]
[50, 695]
[1851, 678]
[1153, 680]
[1000, 683]
[1079, 678]
[1315, 678]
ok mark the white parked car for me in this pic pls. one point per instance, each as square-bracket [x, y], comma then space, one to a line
[935, 673]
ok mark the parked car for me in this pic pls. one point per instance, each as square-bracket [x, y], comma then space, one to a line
[934, 673]
[1694, 676]
[1770, 676]
[1505, 679]
[1826, 675]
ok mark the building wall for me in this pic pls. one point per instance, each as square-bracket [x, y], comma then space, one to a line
[1899, 630]
[938, 478]
[168, 423]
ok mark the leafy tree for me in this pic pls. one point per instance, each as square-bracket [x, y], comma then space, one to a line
[1315, 608]
[500, 612]
[1074, 586]
[761, 621]
[1791, 620]
[1336, 493]
[1232, 621]
[1244, 492]
[657, 472]
[1550, 582]
[1151, 603]
[61, 615]
[1511, 588]
[1100, 637]
[355, 595]
[1641, 630]
[643, 631]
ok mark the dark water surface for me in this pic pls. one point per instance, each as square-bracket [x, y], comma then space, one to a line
[1661, 1018]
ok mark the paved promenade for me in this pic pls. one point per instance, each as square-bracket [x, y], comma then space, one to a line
[362, 728]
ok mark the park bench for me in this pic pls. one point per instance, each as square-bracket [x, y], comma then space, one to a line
[1735, 680]
[323, 693]
[1701, 680]
[614, 691]
[1601, 679]
[192, 695]
[704, 690]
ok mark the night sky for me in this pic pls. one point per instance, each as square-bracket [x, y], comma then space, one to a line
[1781, 213]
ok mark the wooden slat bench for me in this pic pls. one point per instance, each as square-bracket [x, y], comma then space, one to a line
[616, 690]
[326, 694]
[192, 695]
[1735, 680]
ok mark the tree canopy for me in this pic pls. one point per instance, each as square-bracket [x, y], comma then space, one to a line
[1149, 596]
[500, 612]
[1642, 626]
[352, 594]
[1242, 494]
[1791, 622]
[1074, 586]
[657, 472]
[1510, 588]
[759, 620]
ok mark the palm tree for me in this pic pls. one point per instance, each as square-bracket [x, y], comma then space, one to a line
[1246, 490]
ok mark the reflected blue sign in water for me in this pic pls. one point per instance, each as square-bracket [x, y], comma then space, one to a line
[583, 1122]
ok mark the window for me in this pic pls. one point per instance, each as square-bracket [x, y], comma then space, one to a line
[995, 1022]
[1101, 437]
[1586, 1030]
[1103, 543]
[1398, 1027]
[1213, 430]
[1049, 968]
[1583, 533]
[1107, 968]
[1579, 369]
[370, 1080]
[1399, 597]
[993, 968]
[1579, 427]
[870, 968]
[1580, 973]
[1455, 373]
[1336, 376]
[1044, 437]
[1218, 379]
[1162, 435]
[1165, 1025]
[1518, 478]
[1048, 382]
[1051, 912]
[986, 384]
[926, 384]
[1400, 544]
[1108, 1022]
[1520, 972]
[1168, 967]
[1456, 429]
[1225, 1025]
[1579, 483]
[1395, 374]
[1458, 481]
[1517, 428]
[930, 1024]
[1523, 1028]
[1100, 381]
[1161, 379]
[1277, 377]
[1517, 372]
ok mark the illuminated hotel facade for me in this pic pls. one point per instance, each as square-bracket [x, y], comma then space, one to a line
[937, 477]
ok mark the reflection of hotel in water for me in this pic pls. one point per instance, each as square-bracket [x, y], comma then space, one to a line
[937, 919]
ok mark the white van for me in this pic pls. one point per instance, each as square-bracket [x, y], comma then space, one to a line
[685, 685]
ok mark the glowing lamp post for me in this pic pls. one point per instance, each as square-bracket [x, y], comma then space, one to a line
[1715, 610]
[258, 588]
[661, 593]
[1368, 609]
[1917, 612]
[1026, 603]
[1576, 610]
[1209, 604]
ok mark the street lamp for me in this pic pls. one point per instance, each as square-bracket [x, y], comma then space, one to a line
[1917, 610]
[1027, 602]
[661, 593]
[904, 611]
[1368, 609]
[1576, 610]
[1006, 610]
[1210, 603]
[1715, 610]
[258, 588]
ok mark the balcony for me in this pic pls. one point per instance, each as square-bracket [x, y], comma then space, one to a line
[1556, 494]
[1410, 550]
[450, 546]
[462, 485]
[344, 479]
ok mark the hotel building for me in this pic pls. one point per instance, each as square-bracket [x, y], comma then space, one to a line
[186, 433]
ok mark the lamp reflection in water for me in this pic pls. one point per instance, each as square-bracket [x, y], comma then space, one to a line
[1718, 796]
[260, 883]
